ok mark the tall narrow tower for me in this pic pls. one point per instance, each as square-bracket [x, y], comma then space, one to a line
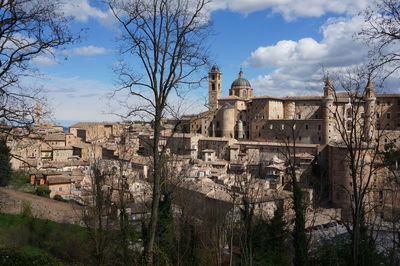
[214, 87]
[328, 103]
[369, 115]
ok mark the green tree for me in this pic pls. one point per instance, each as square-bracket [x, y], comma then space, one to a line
[269, 244]
[5, 165]
[165, 231]
[43, 191]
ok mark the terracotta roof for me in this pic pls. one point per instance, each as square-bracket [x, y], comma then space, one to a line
[58, 137]
[51, 180]
[231, 97]
[90, 124]
[388, 95]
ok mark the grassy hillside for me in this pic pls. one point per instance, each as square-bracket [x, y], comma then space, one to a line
[26, 239]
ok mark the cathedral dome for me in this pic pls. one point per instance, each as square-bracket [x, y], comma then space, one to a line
[241, 81]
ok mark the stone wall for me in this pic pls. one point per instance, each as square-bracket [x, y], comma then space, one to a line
[12, 202]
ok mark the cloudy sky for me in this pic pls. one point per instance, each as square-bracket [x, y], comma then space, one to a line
[281, 45]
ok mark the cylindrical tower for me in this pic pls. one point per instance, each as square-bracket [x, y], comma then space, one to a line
[328, 107]
[228, 121]
[240, 129]
[369, 116]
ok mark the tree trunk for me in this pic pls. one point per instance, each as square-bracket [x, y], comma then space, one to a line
[152, 228]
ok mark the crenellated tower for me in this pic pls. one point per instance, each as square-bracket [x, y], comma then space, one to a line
[214, 87]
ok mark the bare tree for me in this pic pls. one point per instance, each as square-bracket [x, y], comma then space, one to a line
[360, 129]
[381, 31]
[165, 41]
[288, 135]
[28, 29]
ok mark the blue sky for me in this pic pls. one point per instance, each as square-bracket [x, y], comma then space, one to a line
[281, 45]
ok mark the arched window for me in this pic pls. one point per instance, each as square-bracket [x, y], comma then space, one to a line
[348, 113]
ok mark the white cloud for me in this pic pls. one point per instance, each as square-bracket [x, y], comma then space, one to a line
[76, 98]
[89, 50]
[292, 9]
[298, 63]
[82, 11]
[43, 60]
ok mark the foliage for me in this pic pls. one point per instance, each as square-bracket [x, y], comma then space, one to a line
[59, 198]
[5, 164]
[43, 191]
[337, 251]
[10, 256]
[19, 178]
[165, 230]
[269, 243]
[44, 236]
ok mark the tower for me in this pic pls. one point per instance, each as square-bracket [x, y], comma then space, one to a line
[214, 87]
[328, 102]
[369, 116]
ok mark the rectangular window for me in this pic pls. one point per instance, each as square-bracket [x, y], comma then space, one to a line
[319, 127]
[306, 127]
[299, 116]
[60, 189]
[388, 115]
[316, 116]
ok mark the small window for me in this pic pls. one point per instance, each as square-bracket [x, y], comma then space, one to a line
[388, 115]
[299, 116]
[299, 137]
[377, 115]
[319, 127]
[60, 189]
[316, 116]
[306, 127]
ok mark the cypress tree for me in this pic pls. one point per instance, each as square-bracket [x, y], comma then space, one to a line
[5, 164]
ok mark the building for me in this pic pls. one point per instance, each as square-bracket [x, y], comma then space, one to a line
[243, 116]
[251, 127]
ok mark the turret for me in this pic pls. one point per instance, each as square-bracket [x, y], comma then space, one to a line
[214, 87]
[369, 116]
[328, 88]
[328, 102]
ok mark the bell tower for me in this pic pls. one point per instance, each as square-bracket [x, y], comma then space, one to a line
[214, 87]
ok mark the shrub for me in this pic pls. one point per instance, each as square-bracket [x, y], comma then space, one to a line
[43, 191]
[59, 198]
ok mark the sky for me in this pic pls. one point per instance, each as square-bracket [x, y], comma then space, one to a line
[281, 45]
